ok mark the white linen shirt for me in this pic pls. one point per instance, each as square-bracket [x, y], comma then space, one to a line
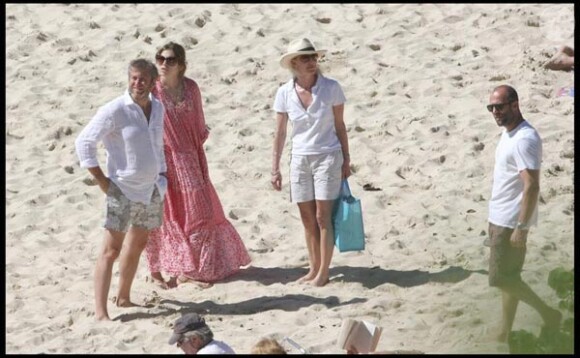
[134, 147]
[216, 347]
[517, 150]
[313, 129]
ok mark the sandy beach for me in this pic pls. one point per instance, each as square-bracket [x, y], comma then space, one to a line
[416, 78]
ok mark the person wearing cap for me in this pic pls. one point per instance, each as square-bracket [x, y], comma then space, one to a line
[193, 336]
[320, 159]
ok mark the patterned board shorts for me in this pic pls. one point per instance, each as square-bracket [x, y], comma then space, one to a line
[505, 261]
[315, 176]
[122, 212]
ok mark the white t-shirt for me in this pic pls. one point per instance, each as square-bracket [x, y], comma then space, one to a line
[313, 129]
[517, 150]
[216, 347]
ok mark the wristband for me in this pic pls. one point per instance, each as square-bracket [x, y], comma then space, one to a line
[522, 226]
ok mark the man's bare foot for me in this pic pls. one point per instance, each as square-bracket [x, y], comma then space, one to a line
[184, 279]
[319, 281]
[308, 277]
[502, 337]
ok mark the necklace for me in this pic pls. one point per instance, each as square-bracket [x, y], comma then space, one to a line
[175, 94]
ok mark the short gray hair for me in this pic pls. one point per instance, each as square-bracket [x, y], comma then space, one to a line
[203, 333]
[143, 64]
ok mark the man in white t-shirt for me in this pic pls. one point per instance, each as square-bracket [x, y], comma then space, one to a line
[513, 208]
[193, 336]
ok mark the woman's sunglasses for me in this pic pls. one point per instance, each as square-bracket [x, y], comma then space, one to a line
[307, 58]
[171, 61]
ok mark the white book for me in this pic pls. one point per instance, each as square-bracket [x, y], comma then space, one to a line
[363, 336]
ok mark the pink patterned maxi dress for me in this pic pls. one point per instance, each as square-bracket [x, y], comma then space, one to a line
[196, 240]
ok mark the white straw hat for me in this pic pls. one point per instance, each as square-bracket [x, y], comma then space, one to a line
[299, 47]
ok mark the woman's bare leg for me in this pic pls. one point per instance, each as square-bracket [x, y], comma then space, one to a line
[324, 220]
[312, 234]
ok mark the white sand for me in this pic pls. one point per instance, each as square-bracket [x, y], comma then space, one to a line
[415, 106]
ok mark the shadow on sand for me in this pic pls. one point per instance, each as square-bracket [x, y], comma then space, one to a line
[369, 277]
[255, 305]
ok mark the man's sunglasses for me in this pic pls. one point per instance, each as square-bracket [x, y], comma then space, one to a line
[498, 106]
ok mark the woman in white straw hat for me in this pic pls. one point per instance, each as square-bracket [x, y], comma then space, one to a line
[320, 158]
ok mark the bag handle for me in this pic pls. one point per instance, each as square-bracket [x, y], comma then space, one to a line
[345, 189]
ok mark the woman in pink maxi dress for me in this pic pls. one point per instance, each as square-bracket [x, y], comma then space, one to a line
[196, 242]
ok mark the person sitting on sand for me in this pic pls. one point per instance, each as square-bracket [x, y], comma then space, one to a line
[353, 350]
[268, 346]
[193, 336]
[563, 60]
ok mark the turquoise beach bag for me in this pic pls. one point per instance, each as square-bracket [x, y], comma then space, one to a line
[347, 220]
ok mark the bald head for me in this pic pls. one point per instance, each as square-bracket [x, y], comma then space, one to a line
[508, 92]
[504, 105]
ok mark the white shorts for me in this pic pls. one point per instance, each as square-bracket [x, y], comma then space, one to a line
[316, 176]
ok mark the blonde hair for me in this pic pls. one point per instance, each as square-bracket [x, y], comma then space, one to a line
[268, 346]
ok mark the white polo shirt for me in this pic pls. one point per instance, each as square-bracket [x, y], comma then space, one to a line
[517, 150]
[134, 147]
[313, 129]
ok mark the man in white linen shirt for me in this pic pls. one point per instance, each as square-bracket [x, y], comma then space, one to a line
[131, 128]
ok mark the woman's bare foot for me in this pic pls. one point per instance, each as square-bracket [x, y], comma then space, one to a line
[104, 317]
[158, 280]
[123, 302]
[319, 281]
[308, 277]
[184, 279]
[172, 283]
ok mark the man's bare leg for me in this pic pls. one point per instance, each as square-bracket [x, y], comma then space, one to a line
[521, 291]
[324, 220]
[112, 244]
[312, 234]
[128, 263]
[509, 308]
